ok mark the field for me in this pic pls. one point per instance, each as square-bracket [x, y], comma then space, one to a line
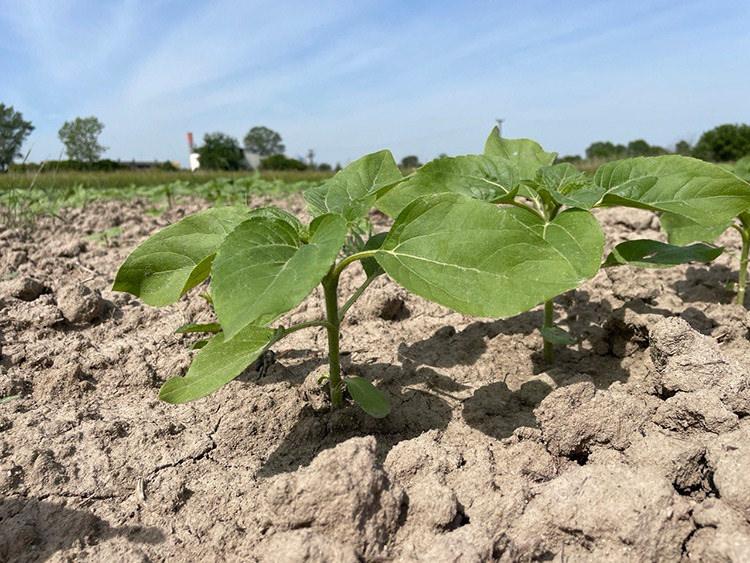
[632, 447]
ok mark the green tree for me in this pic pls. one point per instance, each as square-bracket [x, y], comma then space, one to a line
[13, 132]
[724, 143]
[410, 161]
[683, 148]
[220, 152]
[605, 150]
[281, 162]
[81, 139]
[264, 141]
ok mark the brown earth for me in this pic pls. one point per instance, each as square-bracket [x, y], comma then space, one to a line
[633, 447]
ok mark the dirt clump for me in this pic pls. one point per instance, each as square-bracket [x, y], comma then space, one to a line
[79, 303]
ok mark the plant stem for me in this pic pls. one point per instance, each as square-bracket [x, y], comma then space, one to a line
[338, 268]
[356, 295]
[330, 290]
[549, 322]
[745, 233]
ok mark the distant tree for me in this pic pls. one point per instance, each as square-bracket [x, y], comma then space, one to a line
[264, 141]
[410, 161]
[605, 150]
[324, 167]
[569, 158]
[220, 152]
[13, 132]
[281, 162]
[683, 148]
[724, 143]
[639, 147]
[81, 139]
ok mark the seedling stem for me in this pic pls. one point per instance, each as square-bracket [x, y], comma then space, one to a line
[742, 283]
[549, 351]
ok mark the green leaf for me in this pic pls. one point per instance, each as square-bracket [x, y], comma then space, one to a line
[216, 364]
[681, 230]
[177, 258]
[276, 213]
[353, 190]
[263, 269]
[370, 265]
[527, 155]
[192, 327]
[557, 336]
[654, 254]
[367, 396]
[489, 261]
[198, 344]
[477, 176]
[565, 185]
[702, 192]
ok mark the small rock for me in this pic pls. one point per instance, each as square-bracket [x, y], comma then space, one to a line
[23, 288]
[577, 417]
[345, 480]
[433, 504]
[680, 461]
[685, 360]
[696, 412]
[71, 249]
[79, 303]
[315, 392]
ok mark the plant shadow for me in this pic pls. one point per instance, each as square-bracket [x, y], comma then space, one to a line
[34, 530]
[707, 285]
[419, 400]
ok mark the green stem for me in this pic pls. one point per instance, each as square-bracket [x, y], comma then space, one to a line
[330, 291]
[549, 322]
[745, 233]
[353, 299]
[338, 268]
[520, 205]
[294, 328]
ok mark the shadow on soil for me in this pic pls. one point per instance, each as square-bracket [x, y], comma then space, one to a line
[34, 530]
[707, 285]
[423, 399]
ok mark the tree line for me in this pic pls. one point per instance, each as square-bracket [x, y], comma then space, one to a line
[219, 151]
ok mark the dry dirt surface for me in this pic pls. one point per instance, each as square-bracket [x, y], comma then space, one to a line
[634, 446]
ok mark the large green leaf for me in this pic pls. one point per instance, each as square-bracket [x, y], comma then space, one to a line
[654, 254]
[352, 191]
[527, 155]
[216, 364]
[681, 230]
[177, 258]
[477, 176]
[276, 213]
[489, 261]
[700, 191]
[367, 396]
[263, 269]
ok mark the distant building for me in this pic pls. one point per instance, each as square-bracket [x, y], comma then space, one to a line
[253, 159]
[195, 161]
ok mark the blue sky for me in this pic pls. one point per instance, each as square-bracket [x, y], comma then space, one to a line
[347, 78]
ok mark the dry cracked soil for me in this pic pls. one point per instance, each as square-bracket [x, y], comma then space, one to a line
[634, 446]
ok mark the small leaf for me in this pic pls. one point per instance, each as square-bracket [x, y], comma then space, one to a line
[370, 265]
[353, 190]
[527, 155]
[367, 396]
[177, 258]
[699, 191]
[192, 327]
[489, 261]
[198, 344]
[263, 269]
[557, 336]
[477, 176]
[655, 254]
[218, 363]
[565, 185]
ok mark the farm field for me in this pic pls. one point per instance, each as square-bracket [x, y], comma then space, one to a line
[626, 448]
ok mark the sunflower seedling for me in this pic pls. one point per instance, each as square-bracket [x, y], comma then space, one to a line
[549, 206]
